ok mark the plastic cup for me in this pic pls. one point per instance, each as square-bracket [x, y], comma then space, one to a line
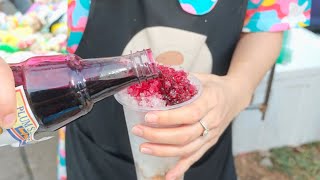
[149, 167]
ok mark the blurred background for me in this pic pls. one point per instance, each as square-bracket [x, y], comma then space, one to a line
[277, 137]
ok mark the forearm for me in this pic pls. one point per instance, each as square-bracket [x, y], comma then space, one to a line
[254, 56]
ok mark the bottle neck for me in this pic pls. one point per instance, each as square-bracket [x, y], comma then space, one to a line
[106, 76]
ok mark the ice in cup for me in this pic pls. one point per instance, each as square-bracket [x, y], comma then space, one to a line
[149, 167]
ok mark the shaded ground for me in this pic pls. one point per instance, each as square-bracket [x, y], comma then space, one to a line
[300, 163]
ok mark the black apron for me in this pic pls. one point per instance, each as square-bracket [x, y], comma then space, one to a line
[97, 145]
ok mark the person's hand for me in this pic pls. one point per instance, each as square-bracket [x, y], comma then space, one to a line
[7, 96]
[221, 100]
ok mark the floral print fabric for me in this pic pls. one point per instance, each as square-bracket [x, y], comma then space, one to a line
[276, 15]
[78, 11]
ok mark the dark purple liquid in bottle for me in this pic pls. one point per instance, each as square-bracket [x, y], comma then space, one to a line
[55, 106]
[62, 88]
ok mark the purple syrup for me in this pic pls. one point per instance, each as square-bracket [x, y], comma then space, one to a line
[55, 106]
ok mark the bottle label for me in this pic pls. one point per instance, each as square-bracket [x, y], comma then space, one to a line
[26, 125]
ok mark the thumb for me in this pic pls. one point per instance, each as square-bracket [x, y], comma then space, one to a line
[7, 96]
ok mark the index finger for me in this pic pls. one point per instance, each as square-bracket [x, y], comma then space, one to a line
[188, 114]
[7, 96]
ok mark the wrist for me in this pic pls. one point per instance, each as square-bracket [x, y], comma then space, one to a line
[242, 89]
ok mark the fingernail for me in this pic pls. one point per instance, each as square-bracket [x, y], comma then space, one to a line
[151, 118]
[137, 131]
[9, 120]
[146, 150]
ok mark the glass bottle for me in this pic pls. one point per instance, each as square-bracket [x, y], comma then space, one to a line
[53, 91]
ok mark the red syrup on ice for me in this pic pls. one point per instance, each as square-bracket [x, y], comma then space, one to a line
[172, 86]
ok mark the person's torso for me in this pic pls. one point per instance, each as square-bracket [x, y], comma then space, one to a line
[202, 43]
[205, 42]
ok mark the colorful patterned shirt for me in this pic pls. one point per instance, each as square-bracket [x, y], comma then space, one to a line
[78, 11]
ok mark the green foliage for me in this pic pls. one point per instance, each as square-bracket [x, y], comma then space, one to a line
[298, 163]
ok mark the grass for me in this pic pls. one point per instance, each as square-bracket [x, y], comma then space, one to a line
[299, 163]
[289, 163]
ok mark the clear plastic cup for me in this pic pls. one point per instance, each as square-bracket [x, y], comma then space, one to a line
[149, 167]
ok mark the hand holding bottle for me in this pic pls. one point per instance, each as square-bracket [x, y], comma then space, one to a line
[45, 93]
[7, 96]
